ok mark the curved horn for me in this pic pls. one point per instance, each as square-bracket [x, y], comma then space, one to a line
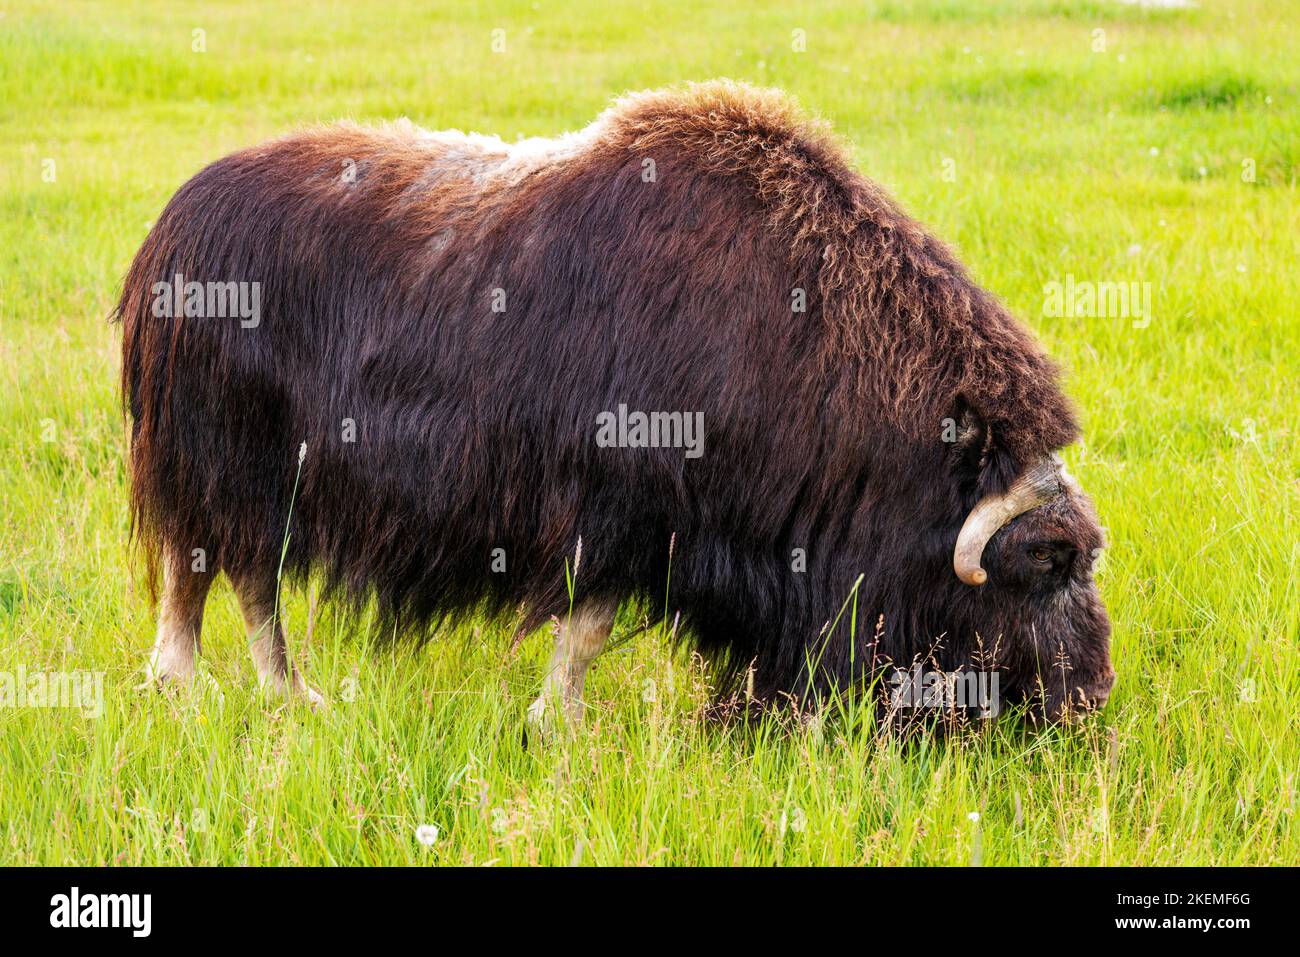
[1036, 485]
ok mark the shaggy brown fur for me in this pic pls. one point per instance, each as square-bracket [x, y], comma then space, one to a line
[381, 253]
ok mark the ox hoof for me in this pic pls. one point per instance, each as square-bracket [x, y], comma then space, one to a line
[539, 714]
[546, 716]
[175, 682]
[297, 690]
[164, 672]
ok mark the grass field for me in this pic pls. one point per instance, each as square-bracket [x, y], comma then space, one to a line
[1164, 150]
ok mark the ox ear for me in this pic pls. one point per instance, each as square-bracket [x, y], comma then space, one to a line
[970, 437]
[984, 465]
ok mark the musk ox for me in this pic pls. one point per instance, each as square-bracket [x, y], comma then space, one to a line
[494, 354]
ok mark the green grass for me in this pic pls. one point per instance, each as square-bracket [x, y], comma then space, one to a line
[1121, 165]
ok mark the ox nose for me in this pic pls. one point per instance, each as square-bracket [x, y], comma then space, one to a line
[1100, 692]
[1086, 697]
[1093, 695]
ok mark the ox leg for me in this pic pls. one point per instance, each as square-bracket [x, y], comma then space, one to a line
[579, 641]
[258, 592]
[180, 620]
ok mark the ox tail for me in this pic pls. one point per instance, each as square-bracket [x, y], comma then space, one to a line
[147, 345]
[212, 447]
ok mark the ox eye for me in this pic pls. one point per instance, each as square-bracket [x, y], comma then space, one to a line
[1040, 554]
